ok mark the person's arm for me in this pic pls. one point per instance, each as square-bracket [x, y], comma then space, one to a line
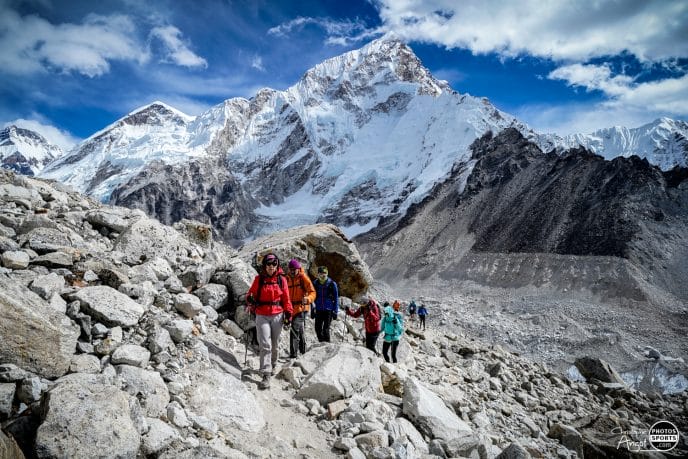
[286, 301]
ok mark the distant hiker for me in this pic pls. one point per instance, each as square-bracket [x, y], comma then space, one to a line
[422, 312]
[302, 294]
[393, 328]
[268, 297]
[371, 318]
[326, 304]
[412, 311]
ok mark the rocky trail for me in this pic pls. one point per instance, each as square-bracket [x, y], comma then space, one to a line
[122, 337]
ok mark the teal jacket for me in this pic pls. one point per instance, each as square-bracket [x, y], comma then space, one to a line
[392, 324]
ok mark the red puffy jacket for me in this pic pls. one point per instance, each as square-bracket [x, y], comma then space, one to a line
[274, 298]
[371, 316]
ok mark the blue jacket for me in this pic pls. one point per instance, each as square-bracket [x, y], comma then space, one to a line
[326, 296]
[392, 324]
[422, 311]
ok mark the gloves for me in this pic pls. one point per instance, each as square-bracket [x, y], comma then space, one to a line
[334, 315]
[287, 316]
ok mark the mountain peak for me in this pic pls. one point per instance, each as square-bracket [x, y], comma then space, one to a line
[384, 60]
[155, 113]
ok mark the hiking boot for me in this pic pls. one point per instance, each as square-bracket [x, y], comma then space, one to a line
[264, 383]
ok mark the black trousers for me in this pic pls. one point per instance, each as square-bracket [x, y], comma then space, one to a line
[323, 319]
[297, 335]
[385, 350]
[371, 341]
[422, 321]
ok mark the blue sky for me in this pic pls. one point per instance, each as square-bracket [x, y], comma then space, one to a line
[70, 68]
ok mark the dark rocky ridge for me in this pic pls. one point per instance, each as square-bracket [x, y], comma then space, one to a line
[518, 200]
[199, 190]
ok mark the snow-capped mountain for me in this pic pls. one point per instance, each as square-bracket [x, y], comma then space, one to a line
[113, 155]
[357, 140]
[25, 151]
[664, 142]
[359, 137]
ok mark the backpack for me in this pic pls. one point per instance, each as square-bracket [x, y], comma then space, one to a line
[280, 277]
[412, 307]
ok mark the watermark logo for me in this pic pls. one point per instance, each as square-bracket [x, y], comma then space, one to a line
[662, 436]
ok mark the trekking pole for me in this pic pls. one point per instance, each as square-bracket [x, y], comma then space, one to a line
[245, 348]
[346, 317]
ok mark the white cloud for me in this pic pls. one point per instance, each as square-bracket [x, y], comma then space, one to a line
[30, 44]
[176, 50]
[652, 30]
[62, 139]
[342, 32]
[669, 95]
[257, 63]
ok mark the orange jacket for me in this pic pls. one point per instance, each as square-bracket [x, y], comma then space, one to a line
[300, 286]
[273, 297]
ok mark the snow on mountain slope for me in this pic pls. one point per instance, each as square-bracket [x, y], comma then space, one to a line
[115, 154]
[664, 142]
[25, 151]
[363, 135]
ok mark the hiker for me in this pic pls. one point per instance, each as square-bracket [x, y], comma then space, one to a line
[412, 312]
[268, 298]
[393, 328]
[326, 304]
[371, 318]
[422, 312]
[302, 294]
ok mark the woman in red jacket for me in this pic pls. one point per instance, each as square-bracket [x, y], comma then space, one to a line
[371, 318]
[268, 297]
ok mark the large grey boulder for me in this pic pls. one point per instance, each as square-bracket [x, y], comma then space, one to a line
[43, 240]
[46, 286]
[594, 368]
[188, 304]
[33, 335]
[338, 371]
[158, 437]
[111, 218]
[213, 295]
[109, 306]
[147, 239]
[130, 354]
[147, 386]
[429, 413]
[314, 245]
[87, 420]
[225, 400]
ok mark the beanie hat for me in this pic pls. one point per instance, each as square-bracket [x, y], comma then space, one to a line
[294, 264]
[270, 257]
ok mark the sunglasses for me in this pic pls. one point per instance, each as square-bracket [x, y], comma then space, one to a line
[271, 263]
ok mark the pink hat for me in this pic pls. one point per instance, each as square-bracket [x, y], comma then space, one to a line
[294, 264]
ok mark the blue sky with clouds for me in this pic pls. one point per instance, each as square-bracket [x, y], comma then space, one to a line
[69, 68]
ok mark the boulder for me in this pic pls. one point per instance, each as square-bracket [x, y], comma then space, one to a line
[85, 363]
[147, 386]
[225, 400]
[17, 259]
[594, 368]
[338, 371]
[213, 295]
[429, 413]
[46, 286]
[109, 306]
[34, 336]
[130, 354]
[314, 245]
[7, 392]
[180, 329]
[147, 239]
[514, 451]
[43, 240]
[110, 219]
[188, 304]
[86, 420]
[158, 437]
